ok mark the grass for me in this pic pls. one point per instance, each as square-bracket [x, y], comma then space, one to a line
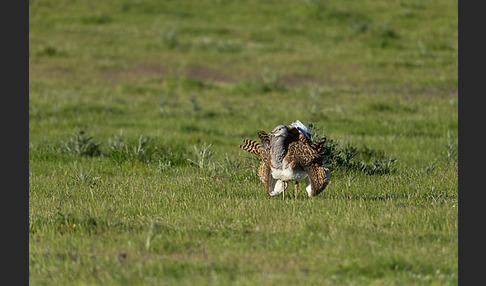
[136, 111]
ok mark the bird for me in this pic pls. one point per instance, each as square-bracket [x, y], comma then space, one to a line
[293, 160]
[288, 154]
[263, 152]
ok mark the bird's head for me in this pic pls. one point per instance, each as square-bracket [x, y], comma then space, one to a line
[279, 131]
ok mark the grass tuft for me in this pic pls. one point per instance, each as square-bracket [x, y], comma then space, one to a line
[271, 81]
[170, 38]
[80, 143]
[203, 157]
[126, 150]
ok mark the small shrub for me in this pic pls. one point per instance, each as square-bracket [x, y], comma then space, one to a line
[364, 159]
[316, 133]
[381, 165]
[81, 144]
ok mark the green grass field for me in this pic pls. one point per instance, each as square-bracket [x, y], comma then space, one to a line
[137, 108]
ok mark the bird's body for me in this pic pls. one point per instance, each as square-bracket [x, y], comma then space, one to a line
[288, 173]
[288, 154]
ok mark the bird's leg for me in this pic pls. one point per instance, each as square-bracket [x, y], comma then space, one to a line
[296, 189]
[283, 188]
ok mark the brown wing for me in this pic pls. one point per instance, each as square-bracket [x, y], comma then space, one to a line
[301, 155]
[319, 146]
[318, 176]
[265, 175]
[264, 138]
[307, 158]
[304, 139]
[264, 169]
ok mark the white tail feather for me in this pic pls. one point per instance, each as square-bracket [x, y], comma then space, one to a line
[302, 128]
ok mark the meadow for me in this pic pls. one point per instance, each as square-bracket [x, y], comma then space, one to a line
[137, 109]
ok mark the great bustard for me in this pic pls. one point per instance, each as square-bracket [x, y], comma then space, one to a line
[288, 154]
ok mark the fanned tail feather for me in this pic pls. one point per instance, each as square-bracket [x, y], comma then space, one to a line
[252, 146]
